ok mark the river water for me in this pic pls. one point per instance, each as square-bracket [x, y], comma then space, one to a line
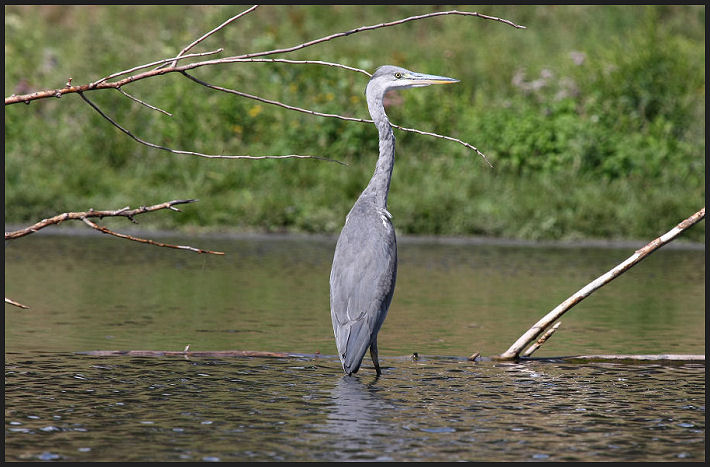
[453, 298]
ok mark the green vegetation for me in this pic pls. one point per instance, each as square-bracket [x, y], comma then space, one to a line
[593, 117]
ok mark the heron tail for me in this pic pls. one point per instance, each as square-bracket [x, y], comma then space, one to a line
[355, 348]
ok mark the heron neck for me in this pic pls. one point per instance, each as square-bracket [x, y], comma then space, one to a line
[379, 185]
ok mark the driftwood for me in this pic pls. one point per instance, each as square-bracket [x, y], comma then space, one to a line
[681, 358]
[190, 353]
[538, 328]
[665, 358]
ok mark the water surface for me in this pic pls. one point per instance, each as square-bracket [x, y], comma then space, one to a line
[453, 298]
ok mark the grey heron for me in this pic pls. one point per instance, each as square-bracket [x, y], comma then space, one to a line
[364, 268]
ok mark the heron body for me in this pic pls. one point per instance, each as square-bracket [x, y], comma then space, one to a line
[364, 270]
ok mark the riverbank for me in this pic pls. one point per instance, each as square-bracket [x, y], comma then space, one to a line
[74, 231]
[593, 118]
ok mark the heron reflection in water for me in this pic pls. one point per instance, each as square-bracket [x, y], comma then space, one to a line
[364, 268]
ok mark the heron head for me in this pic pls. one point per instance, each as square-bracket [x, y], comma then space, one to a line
[393, 77]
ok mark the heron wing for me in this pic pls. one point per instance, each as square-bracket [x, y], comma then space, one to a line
[362, 281]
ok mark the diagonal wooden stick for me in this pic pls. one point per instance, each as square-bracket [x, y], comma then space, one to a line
[14, 303]
[100, 228]
[538, 328]
[193, 153]
[206, 35]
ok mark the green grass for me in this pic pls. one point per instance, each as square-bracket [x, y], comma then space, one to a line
[609, 147]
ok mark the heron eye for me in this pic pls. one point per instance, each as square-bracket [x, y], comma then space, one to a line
[398, 75]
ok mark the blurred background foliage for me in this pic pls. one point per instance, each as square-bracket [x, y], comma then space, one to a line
[593, 117]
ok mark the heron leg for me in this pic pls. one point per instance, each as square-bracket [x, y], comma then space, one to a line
[373, 355]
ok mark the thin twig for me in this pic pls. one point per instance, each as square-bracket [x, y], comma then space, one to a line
[427, 133]
[377, 26]
[206, 35]
[301, 62]
[144, 103]
[192, 153]
[272, 102]
[145, 240]
[321, 114]
[538, 328]
[123, 212]
[147, 65]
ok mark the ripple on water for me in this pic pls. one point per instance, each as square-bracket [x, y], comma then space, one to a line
[154, 409]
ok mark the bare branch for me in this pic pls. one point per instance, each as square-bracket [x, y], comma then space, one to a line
[206, 35]
[273, 102]
[378, 26]
[302, 62]
[147, 65]
[102, 84]
[144, 240]
[427, 133]
[321, 114]
[123, 212]
[539, 327]
[192, 153]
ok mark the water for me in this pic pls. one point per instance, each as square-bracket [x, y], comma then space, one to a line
[452, 299]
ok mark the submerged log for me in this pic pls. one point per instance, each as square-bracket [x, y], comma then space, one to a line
[189, 353]
[662, 358]
[476, 357]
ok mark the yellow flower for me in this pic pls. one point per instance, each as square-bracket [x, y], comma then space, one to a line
[254, 111]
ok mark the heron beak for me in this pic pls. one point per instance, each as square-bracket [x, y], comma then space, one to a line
[420, 79]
